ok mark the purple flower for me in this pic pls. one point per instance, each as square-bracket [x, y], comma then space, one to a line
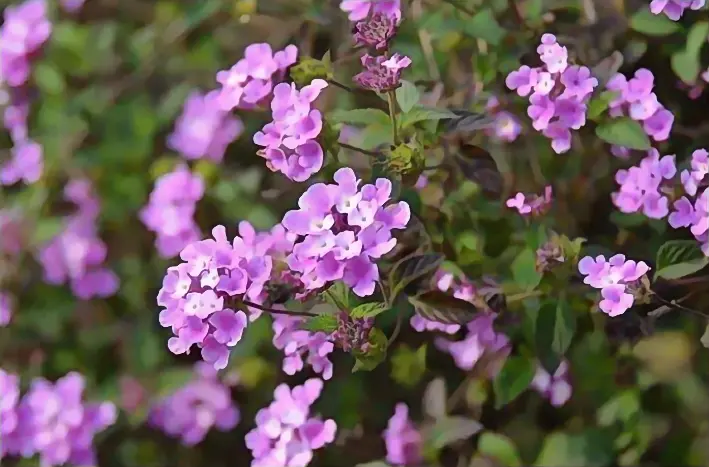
[9, 399]
[26, 164]
[52, 420]
[72, 6]
[404, 443]
[380, 73]
[170, 210]
[481, 340]
[300, 346]
[77, 254]
[533, 205]
[674, 9]
[358, 10]
[376, 30]
[286, 434]
[613, 277]
[204, 130]
[192, 410]
[342, 230]
[506, 127]
[250, 81]
[24, 30]
[559, 93]
[290, 139]
[5, 309]
[556, 387]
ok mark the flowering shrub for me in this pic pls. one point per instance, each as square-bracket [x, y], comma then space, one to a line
[395, 234]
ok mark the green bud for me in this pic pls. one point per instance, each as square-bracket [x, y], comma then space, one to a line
[307, 69]
[406, 160]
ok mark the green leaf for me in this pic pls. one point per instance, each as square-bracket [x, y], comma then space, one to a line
[419, 113]
[624, 132]
[592, 448]
[484, 26]
[499, 448]
[376, 352]
[324, 323]
[369, 310]
[48, 78]
[374, 135]
[443, 308]
[410, 268]
[679, 258]
[46, 229]
[646, 22]
[599, 104]
[339, 296]
[374, 464]
[554, 327]
[407, 365]
[448, 430]
[515, 376]
[407, 96]
[359, 117]
[686, 63]
[524, 269]
[435, 399]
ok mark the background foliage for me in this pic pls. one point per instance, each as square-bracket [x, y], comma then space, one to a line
[113, 79]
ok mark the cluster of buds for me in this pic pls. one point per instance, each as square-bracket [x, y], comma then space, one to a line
[352, 334]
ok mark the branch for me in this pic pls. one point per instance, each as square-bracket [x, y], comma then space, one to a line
[360, 150]
[677, 306]
[279, 312]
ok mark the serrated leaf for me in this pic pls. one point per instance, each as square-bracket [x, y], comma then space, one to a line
[499, 448]
[411, 268]
[338, 295]
[477, 165]
[524, 270]
[376, 352]
[441, 307]
[434, 399]
[321, 323]
[358, 116]
[448, 430]
[646, 22]
[679, 258]
[369, 310]
[624, 132]
[599, 104]
[419, 113]
[514, 378]
[407, 96]
[374, 136]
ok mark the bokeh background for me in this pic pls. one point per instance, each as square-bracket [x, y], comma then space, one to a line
[106, 89]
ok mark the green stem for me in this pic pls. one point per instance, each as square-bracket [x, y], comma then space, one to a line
[360, 150]
[391, 99]
[673, 304]
[279, 312]
[340, 85]
[521, 296]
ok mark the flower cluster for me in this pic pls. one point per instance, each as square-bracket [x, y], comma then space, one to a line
[342, 229]
[170, 210]
[300, 346]
[24, 31]
[506, 126]
[533, 205]
[51, 420]
[204, 129]
[404, 443]
[5, 308]
[200, 295]
[360, 9]
[634, 97]
[191, 411]
[381, 73]
[674, 9]
[249, 82]
[649, 186]
[286, 434]
[289, 141]
[559, 93]
[617, 279]
[77, 254]
[480, 341]
[376, 30]
[555, 388]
